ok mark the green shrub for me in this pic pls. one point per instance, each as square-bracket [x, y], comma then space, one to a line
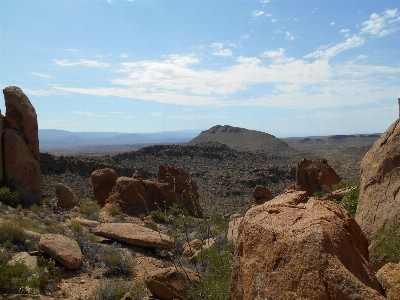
[342, 184]
[215, 282]
[158, 216]
[350, 200]
[35, 209]
[117, 263]
[389, 244]
[111, 290]
[48, 273]
[8, 197]
[89, 208]
[18, 279]
[12, 232]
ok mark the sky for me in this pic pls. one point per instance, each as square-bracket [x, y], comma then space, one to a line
[288, 68]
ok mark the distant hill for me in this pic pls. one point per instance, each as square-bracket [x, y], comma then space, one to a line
[242, 139]
[60, 139]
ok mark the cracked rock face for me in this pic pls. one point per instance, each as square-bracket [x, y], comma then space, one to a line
[298, 247]
[379, 201]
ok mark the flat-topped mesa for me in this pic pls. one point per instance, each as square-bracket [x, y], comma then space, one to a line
[21, 156]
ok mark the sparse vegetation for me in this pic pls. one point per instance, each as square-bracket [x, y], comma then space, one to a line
[8, 197]
[350, 200]
[389, 244]
[89, 208]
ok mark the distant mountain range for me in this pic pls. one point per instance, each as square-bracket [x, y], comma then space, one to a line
[60, 139]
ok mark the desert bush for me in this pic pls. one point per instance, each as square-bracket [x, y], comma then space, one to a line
[47, 273]
[342, 184]
[56, 228]
[8, 197]
[215, 282]
[158, 216]
[350, 200]
[36, 209]
[12, 232]
[389, 244]
[89, 208]
[18, 279]
[111, 290]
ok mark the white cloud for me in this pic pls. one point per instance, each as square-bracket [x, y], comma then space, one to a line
[332, 23]
[83, 62]
[40, 75]
[274, 20]
[109, 1]
[381, 25]
[72, 50]
[156, 114]
[245, 36]
[344, 30]
[123, 55]
[289, 36]
[257, 13]
[89, 114]
[273, 54]
[264, 1]
[325, 52]
[220, 51]
[361, 57]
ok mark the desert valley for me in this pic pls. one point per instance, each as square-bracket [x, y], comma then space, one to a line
[228, 213]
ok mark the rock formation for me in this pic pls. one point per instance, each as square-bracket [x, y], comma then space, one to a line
[379, 202]
[261, 194]
[301, 248]
[21, 157]
[315, 176]
[66, 197]
[135, 196]
[135, 235]
[171, 283]
[103, 181]
[62, 249]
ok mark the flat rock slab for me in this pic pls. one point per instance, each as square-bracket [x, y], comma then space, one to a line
[25, 258]
[62, 249]
[135, 235]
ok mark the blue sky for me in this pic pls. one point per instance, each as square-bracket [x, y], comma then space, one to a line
[289, 68]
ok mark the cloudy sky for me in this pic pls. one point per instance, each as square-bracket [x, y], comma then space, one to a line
[289, 68]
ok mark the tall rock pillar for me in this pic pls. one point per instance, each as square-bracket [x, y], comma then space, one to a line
[21, 156]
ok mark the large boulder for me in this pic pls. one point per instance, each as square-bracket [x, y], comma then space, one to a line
[379, 201]
[301, 248]
[103, 181]
[135, 235]
[25, 258]
[64, 250]
[21, 156]
[171, 283]
[65, 195]
[315, 176]
[389, 278]
[21, 169]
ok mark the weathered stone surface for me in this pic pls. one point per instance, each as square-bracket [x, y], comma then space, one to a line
[379, 201]
[304, 249]
[137, 175]
[315, 176]
[135, 235]
[208, 243]
[66, 197]
[21, 168]
[64, 250]
[21, 117]
[233, 230]
[25, 258]
[188, 249]
[260, 192]
[171, 283]
[103, 181]
[127, 296]
[389, 278]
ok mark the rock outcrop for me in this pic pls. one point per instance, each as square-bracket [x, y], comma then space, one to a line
[379, 202]
[135, 196]
[21, 157]
[171, 283]
[233, 230]
[190, 248]
[64, 250]
[261, 194]
[315, 176]
[66, 197]
[103, 181]
[135, 235]
[389, 278]
[301, 248]
[25, 258]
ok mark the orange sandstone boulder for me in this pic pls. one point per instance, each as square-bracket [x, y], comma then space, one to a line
[103, 181]
[66, 197]
[389, 278]
[303, 248]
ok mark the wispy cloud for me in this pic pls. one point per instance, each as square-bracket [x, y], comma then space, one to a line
[245, 36]
[188, 116]
[289, 36]
[381, 25]
[83, 62]
[274, 20]
[90, 114]
[72, 50]
[264, 1]
[332, 23]
[344, 30]
[220, 51]
[257, 13]
[40, 75]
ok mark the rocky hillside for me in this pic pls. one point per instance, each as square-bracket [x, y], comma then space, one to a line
[242, 139]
